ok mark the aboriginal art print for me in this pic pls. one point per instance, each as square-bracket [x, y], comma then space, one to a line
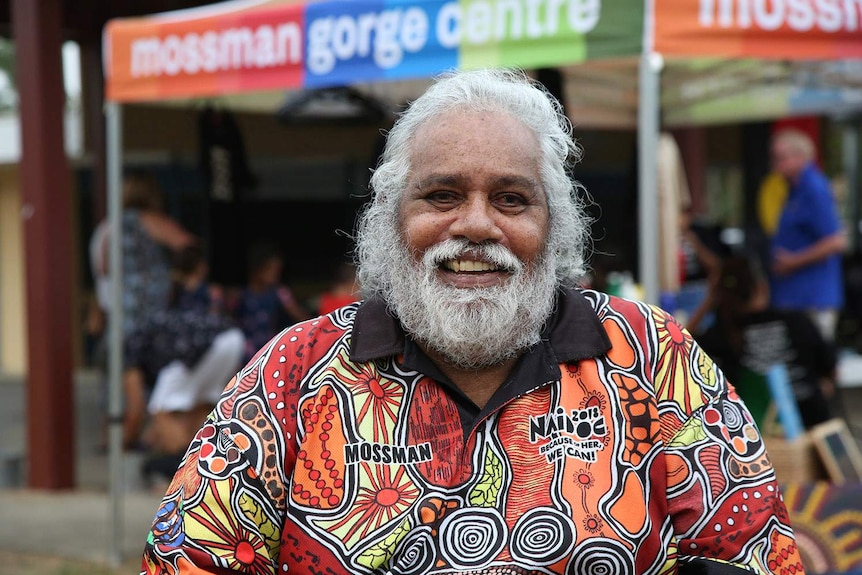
[637, 460]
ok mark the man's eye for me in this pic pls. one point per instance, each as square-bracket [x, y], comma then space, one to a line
[511, 200]
[441, 197]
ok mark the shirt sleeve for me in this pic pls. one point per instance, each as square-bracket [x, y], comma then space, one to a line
[722, 496]
[224, 509]
[822, 210]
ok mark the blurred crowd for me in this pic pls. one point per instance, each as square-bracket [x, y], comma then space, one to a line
[752, 311]
[183, 336]
[752, 307]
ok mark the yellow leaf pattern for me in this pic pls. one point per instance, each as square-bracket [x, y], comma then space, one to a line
[690, 434]
[488, 488]
[268, 530]
[379, 554]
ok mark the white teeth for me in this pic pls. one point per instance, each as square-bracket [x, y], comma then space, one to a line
[469, 266]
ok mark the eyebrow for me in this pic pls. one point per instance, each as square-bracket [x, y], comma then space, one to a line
[459, 181]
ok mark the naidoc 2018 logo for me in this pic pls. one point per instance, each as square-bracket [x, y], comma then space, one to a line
[579, 433]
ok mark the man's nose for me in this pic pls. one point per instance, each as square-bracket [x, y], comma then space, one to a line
[477, 222]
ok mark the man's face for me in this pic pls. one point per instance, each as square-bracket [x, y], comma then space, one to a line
[786, 160]
[472, 278]
[475, 176]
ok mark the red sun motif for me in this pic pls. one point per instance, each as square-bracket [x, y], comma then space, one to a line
[672, 368]
[226, 536]
[383, 496]
[584, 479]
[376, 398]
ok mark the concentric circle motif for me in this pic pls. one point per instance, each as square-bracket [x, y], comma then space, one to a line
[415, 555]
[600, 556]
[471, 538]
[542, 536]
[732, 416]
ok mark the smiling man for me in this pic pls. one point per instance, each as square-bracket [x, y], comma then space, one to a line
[477, 412]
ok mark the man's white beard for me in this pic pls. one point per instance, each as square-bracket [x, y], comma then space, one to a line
[472, 327]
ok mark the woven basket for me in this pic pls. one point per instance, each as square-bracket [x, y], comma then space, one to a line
[795, 461]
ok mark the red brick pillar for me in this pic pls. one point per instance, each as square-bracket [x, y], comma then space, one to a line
[48, 247]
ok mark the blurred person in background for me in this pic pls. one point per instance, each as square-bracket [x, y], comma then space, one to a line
[191, 288]
[343, 290]
[149, 240]
[749, 337]
[176, 364]
[806, 249]
[265, 306]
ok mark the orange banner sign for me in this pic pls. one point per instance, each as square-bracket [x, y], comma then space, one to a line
[777, 29]
[214, 53]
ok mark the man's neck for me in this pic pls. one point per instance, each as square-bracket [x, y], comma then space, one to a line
[794, 178]
[477, 384]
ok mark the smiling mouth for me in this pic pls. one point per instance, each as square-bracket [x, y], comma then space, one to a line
[470, 266]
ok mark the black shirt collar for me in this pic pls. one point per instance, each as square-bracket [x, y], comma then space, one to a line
[574, 331]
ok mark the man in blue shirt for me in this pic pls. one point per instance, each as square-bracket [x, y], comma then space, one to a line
[807, 246]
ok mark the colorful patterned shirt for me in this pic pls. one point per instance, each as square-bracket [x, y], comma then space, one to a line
[615, 446]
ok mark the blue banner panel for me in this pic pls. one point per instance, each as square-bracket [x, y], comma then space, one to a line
[368, 40]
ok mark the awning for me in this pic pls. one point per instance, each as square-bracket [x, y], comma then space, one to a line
[769, 29]
[252, 45]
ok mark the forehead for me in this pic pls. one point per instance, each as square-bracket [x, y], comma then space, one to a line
[470, 138]
[489, 121]
[785, 146]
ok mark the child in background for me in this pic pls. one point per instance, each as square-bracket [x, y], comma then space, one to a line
[343, 290]
[190, 287]
[266, 306]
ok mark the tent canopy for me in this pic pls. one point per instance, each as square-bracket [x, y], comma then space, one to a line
[725, 60]
[745, 60]
[250, 45]
[774, 29]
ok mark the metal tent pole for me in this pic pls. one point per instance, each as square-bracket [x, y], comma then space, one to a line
[850, 161]
[648, 134]
[114, 128]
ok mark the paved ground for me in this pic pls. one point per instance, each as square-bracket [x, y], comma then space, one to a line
[18, 563]
[73, 525]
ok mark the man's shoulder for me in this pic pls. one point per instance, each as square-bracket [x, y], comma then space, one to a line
[320, 332]
[604, 304]
[814, 181]
[309, 340]
[631, 315]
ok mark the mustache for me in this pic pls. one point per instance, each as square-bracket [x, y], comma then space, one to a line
[458, 248]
